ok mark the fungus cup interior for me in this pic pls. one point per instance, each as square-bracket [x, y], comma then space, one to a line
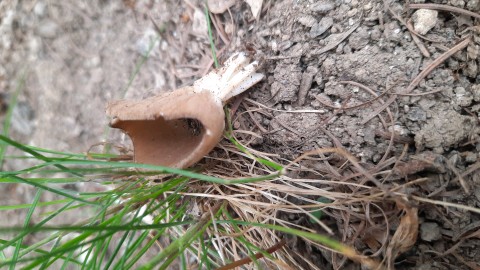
[164, 142]
[175, 129]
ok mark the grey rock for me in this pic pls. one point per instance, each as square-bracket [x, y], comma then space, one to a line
[473, 5]
[322, 6]
[320, 27]
[476, 92]
[40, 8]
[424, 20]
[359, 39]
[393, 32]
[22, 118]
[463, 98]
[430, 231]
[471, 157]
[417, 114]
[47, 29]
[307, 20]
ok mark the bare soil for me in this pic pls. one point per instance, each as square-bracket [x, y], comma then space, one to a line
[329, 66]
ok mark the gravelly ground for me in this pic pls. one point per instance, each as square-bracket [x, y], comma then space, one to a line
[76, 56]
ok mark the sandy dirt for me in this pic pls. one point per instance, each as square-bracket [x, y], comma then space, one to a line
[329, 66]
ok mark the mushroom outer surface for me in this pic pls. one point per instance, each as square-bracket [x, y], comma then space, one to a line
[175, 129]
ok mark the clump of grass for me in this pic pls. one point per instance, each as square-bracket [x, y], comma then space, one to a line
[122, 223]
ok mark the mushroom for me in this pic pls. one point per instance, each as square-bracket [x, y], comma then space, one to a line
[178, 128]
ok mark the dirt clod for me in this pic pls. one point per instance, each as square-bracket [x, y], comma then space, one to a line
[440, 135]
[430, 231]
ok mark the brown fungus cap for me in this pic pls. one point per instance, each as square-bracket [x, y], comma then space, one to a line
[175, 129]
[179, 128]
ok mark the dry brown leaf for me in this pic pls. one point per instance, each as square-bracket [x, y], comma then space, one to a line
[219, 6]
[406, 234]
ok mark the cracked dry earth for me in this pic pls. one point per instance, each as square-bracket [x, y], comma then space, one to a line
[329, 66]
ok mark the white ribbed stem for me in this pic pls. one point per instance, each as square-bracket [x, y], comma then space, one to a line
[234, 78]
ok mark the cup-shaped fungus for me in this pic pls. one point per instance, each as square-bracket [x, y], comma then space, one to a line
[178, 128]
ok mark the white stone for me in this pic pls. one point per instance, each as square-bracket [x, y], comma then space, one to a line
[424, 20]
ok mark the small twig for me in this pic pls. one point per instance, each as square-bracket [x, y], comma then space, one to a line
[376, 97]
[396, 138]
[257, 256]
[220, 30]
[471, 265]
[445, 8]
[325, 49]
[421, 76]
[305, 85]
[418, 94]
[348, 156]
[211, 61]
[287, 127]
[236, 103]
[417, 41]
[384, 123]
[339, 40]
[249, 111]
[447, 204]
[459, 176]
[463, 231]
[471, 169]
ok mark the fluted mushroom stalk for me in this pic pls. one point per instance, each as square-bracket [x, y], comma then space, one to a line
[178, 128]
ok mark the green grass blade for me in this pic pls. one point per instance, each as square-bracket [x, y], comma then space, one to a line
[26, 224]
[190, 174]
[98, 228]
[210, 37]
[230, 137]
[31, 152]
[168, 254]
[120, 242]
[65, 262]
[41, 223]
[5, 262]
[8, 116]
[50, 189]
[180, 212]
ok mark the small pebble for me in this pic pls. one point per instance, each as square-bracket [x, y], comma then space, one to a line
[430, 231]
[307, 20]
[424, 20]
[39, 8]
[22, 118]
[471, 157]
[218, 7]
[476, 92]
[321, 27]
[463, 98]
[416, 114]
[322, 6]
[144, 44]
[48, 29]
